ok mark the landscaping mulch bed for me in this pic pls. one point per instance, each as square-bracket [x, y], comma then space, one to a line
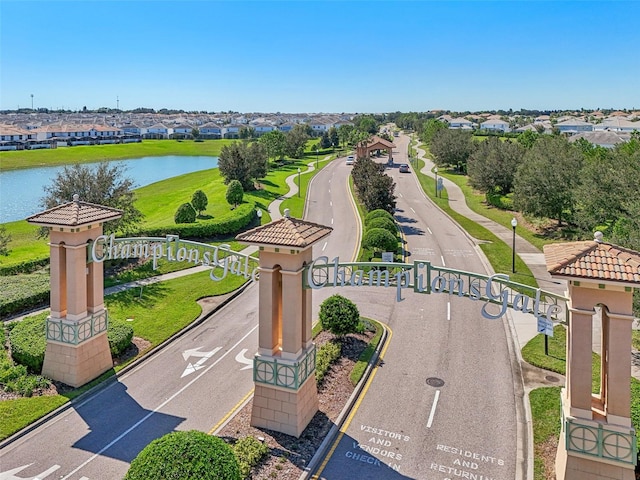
[289, 456]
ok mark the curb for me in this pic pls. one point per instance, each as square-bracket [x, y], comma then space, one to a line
[86, 396]
[355, 396]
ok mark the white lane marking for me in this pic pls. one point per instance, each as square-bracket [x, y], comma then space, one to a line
[332, 221]
[412, 209]
[192, 367]
[433, 409]
[330, 203]
[9, 474]
[324, 246]
[442, 258]
[242, 359]
[148, 415]
[400, 194]
[429, 230]
[448, 310]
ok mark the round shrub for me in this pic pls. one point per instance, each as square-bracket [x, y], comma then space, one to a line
[185, 214]
[379, 239]
[339, 315]
[28, 342]
[382, 222]
[191, 455]
[120, 335]
[377, 214]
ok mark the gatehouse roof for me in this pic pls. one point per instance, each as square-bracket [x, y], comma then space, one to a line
[75, 214]
[593, 259]
[286, 232]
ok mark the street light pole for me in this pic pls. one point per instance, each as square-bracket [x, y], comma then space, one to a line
[298, 181]
[259, 214]
[514, 224]
[435, 170]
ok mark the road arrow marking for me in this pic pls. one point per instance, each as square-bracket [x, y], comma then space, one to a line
[195, 352]
[242, 359]
[9, 474]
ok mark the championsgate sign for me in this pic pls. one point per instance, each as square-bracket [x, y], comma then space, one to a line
[220, 258]
[422, 277]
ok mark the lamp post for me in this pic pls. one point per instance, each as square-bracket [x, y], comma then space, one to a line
[298, 181]
[514, 224]
[259, 214]
[435, 170]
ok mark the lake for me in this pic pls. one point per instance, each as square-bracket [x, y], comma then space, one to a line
[21, 190]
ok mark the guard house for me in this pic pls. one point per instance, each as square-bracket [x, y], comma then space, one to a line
[597, 440]
[77, 345]
[285, 397]
[364, 149]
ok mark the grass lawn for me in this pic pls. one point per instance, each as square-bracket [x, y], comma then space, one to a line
[95, 153]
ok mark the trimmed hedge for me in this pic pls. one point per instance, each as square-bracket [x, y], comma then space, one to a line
[339, 315]
[383, 222]
[377, 214]
[325, 356]
[120, 335]
[28, 340]
[235, 221]
[28, 266]
[23, 292]
[380, 239]
[190, 455]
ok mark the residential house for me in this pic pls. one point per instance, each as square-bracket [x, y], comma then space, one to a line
[601, 138]
[461, 123]
[495, 125]
[210, 131]
[574, 125]
[158, 132]
[231, 131]
[618, 124]
[182, 130]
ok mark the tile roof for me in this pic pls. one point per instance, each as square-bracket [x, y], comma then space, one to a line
[286, 232]
[593, 259]
[74, 214]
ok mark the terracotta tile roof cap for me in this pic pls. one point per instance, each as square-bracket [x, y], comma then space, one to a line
[593, 259]
[286, 232]
[75, 213]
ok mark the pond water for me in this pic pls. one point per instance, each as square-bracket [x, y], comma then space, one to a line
[22, 190]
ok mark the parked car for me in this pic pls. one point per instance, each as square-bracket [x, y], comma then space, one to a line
[350, 160]
[404, 168]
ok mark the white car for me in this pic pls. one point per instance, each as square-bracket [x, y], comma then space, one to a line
[350, 160]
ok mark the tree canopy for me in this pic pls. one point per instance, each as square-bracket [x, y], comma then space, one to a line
[245, 162]
[104, 185]
[452, 146]
[493, 164]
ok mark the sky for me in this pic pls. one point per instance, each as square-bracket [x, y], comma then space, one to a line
[327, 56]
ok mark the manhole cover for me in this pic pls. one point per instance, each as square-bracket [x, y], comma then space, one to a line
[435, 382]
[549, 378]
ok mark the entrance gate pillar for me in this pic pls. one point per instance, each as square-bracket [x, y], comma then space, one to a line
[597, 440]
[285, 396]
[77, 347]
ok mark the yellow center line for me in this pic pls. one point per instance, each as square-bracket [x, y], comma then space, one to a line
[232, 412]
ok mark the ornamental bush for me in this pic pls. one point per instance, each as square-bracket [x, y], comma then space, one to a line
[190, 455]
[339, 315]
[199, 201]
[249, 451]
[379, 239]
[383, 222]
[326, 355]
[185, 214]
[28, 342]
[120, 335]
[377, 214]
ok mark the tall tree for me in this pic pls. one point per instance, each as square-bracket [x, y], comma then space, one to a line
[296, 140]
[334, 137]
[546, 179]
[492, 166]
[199, 201]
[429, 129]
[325, 142]
[5, 238]
[344, 133]
[275, 143]
[452, 147]
[374, 187]
[235, 193]
[245, 162]
[104, 184]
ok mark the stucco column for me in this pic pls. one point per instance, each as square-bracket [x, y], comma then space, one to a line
[579, 362]
[618, 400]
[307, 324]
[58, 282]
[76, 281]
[292, 314]
[95, 287]
[269, 321]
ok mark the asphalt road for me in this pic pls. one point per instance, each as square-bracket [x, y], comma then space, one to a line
[461, 421]
[442, 402]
